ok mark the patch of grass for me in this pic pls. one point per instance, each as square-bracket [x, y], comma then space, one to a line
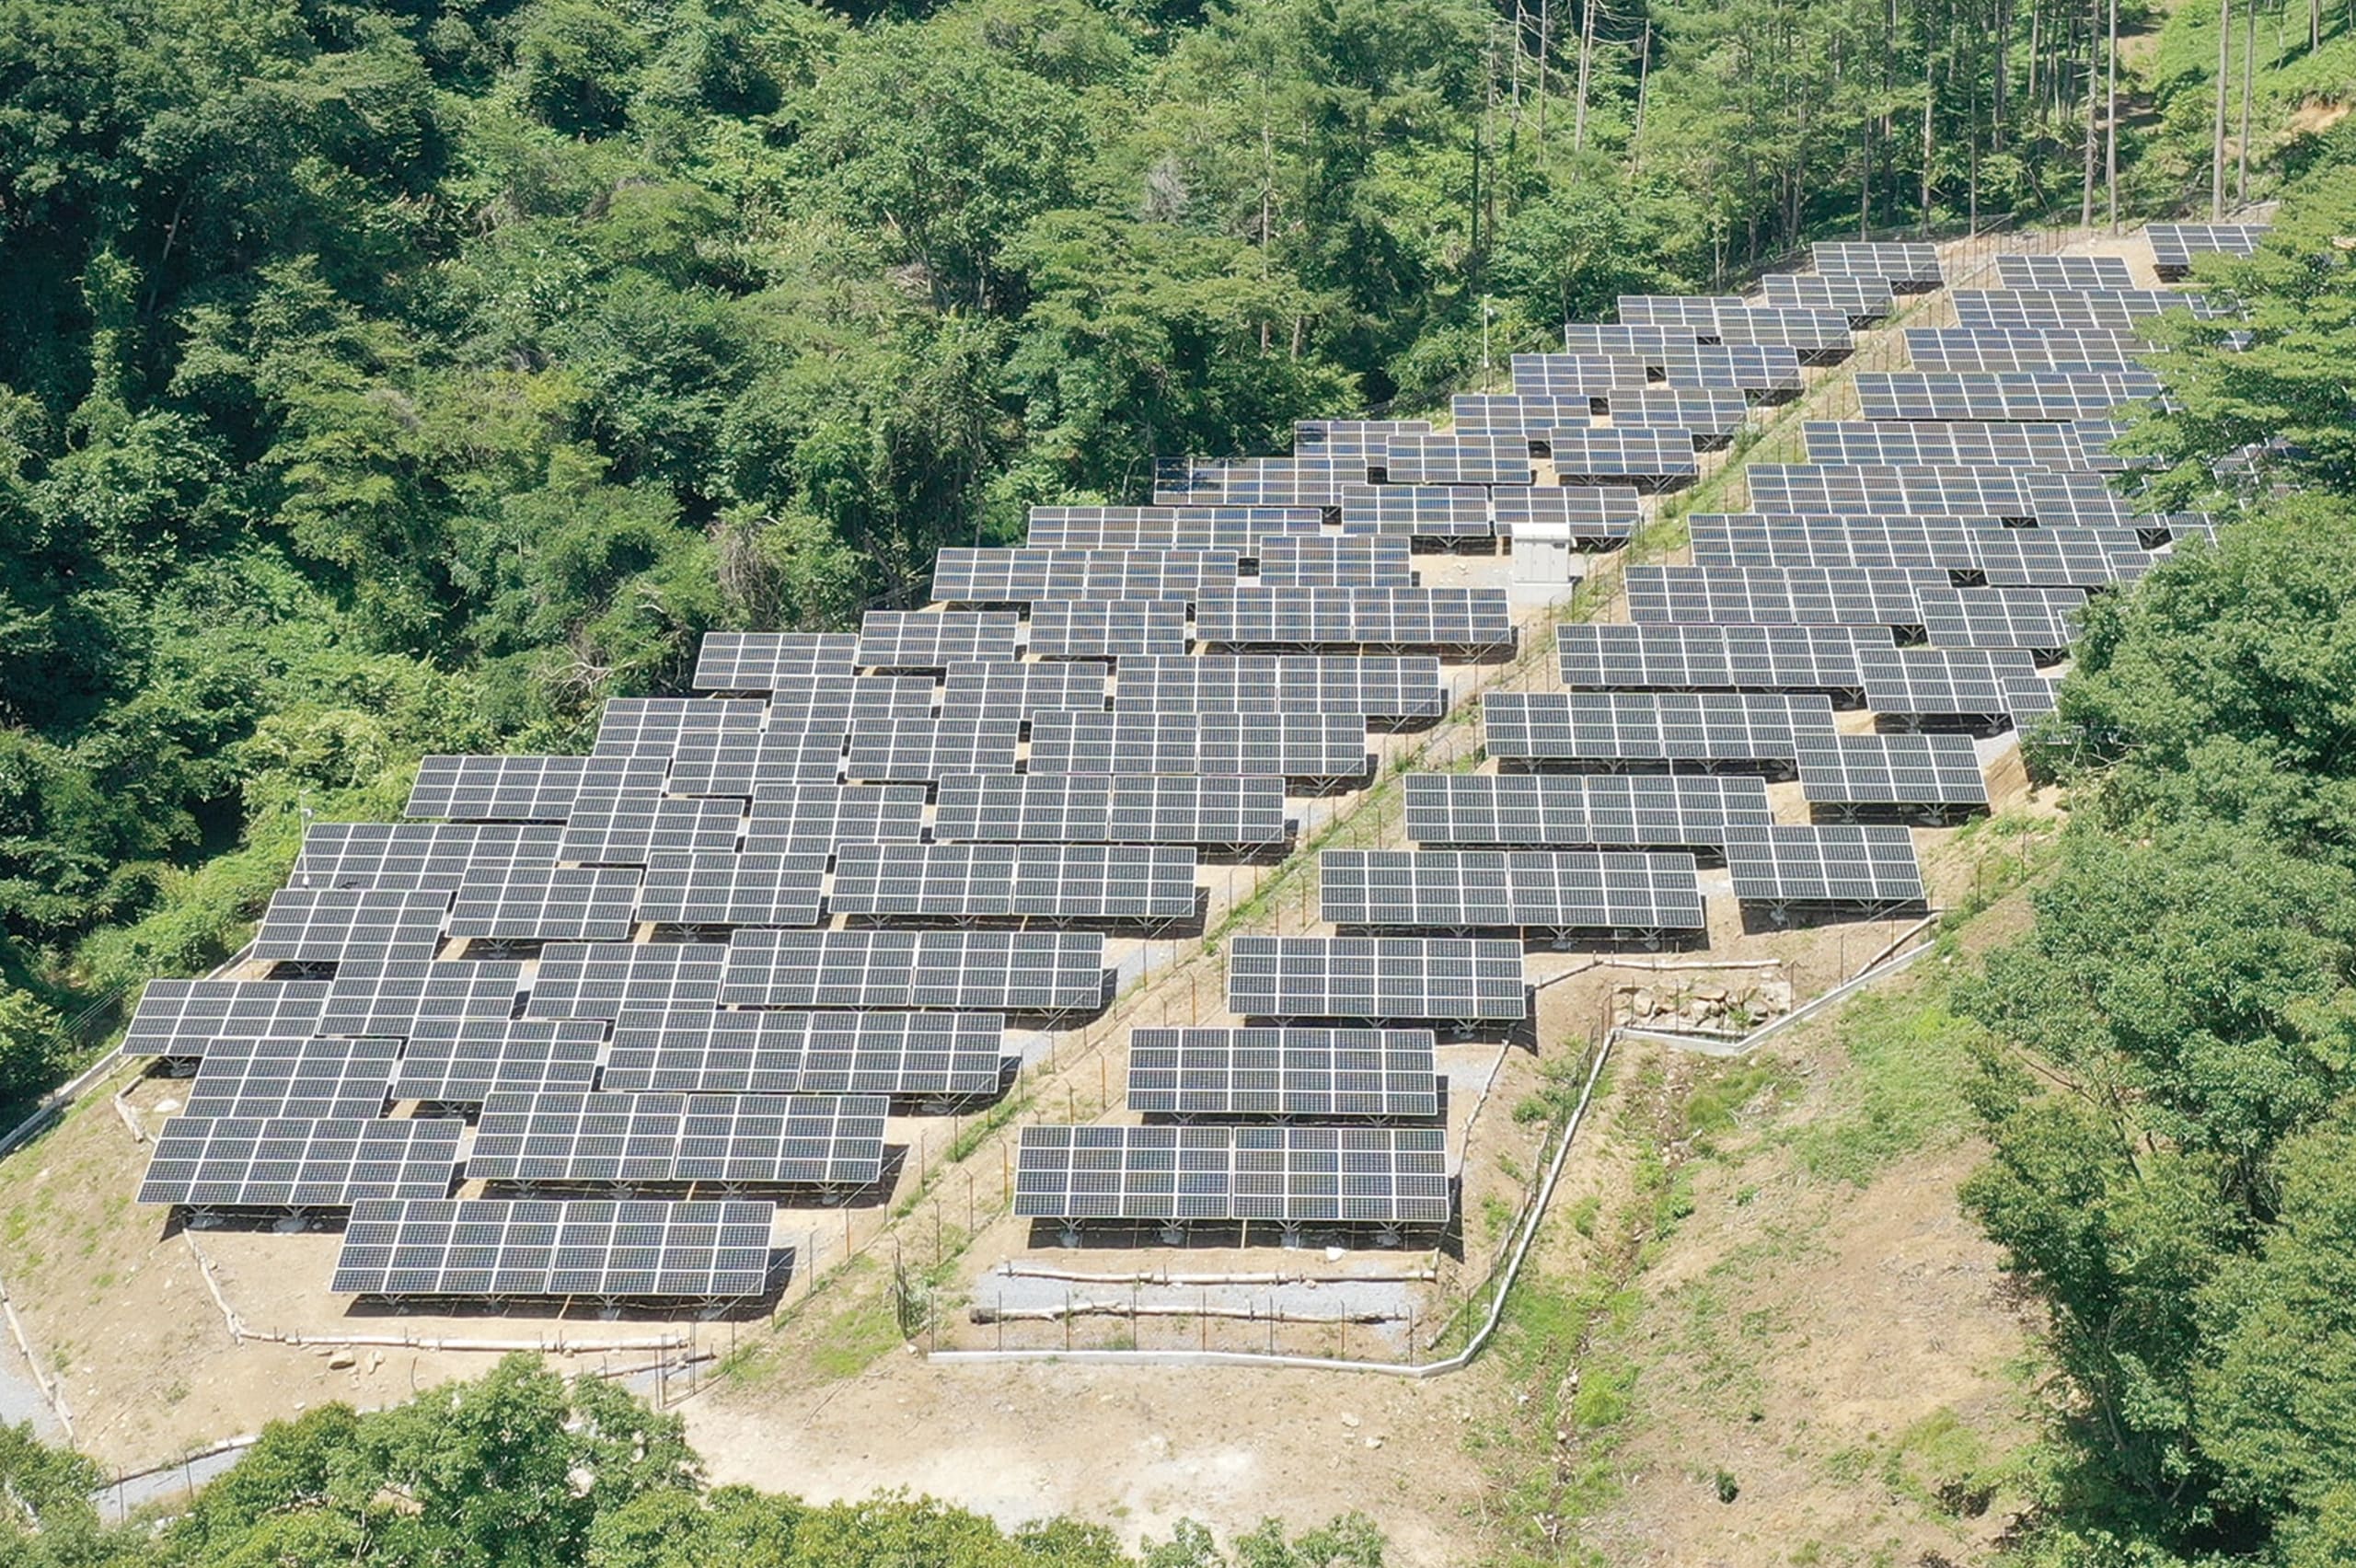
[1906, 1055]
[1497, 1215]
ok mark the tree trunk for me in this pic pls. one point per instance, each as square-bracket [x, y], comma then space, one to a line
[1999, 84]
[1545, 45]
[2086, 196]
[2217, 134]
[1930, 92]
[2110, 123]
[2249, 76]
[1644, 84]
[1586, 61]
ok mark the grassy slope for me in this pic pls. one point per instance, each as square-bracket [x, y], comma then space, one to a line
[1764, 1332]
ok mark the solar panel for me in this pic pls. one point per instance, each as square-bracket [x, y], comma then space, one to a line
[1761, 369]
[181, 1018]
[811, 819]
[771, 660]
[1083, 808]
[1803, 596]
[1891, 770]
[1368, 561]
[2041, 619]
[1340, 438]
[2174, 246]
[1945, 443]
[1343, 617]
[1458, 457]
[1054, 882]
[2070, 350]
[1551, 890]
[466, 1061]
[520, 789]
[428, 856]
[1886, 543]
[1286, 1174]
[962, 576]
[1863, 298]
[978, 689]
[1832, 489]
[1712, 414]
[791, 751]
[1783, 865]
[1638, 346]
[1600, 657]
[918, 639]
[1697, 312]
[731, 890]
[1300, 481]
[1527, 414]
[601, 980]
[1732, 320]
[1584, 375]
[2061, 557]
[1905, 265]
[498, 1248]
[1319, 1072]
[2032, 309]
[756, 1139]
[1290, 745]
[1400, 687]
[544, 904]
[1594, 514]
[311, 1080]
[2031, 697]
[711, 1052]
[1647, 455]
[917, 750]
[1109, 628]
[606, 827]
[1941, 683]
[355, 926]
[1580, 809]
[1418, 512]
[395, 999]
[2001, 394]
[2063, 273]
[657, 727]
[1604, 727]
[253, 1162]
[1375, 977]
[1237, 528]
[853, 697]
[1021, 972]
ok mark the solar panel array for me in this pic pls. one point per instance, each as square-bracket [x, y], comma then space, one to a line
[500, 1248]
[1286, 1174]
[2175, 246]
[1314, 1073]
[1385, 688]
[1208, 810]
[1599, 810]
[1343, 617]
[1593, 727]
[865, 820]
[1530, 890]
[1442, 978]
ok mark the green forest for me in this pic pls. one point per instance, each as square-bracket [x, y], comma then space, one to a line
[378, 378]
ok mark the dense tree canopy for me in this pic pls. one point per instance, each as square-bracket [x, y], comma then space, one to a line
[2171, 1131]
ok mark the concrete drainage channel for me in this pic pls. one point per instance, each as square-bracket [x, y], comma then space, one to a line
[1891, 963]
